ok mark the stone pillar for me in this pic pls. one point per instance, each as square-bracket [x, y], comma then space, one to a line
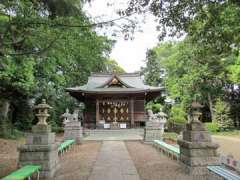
[197, 150]
[73, 130]
[40, 148]
[72, 127]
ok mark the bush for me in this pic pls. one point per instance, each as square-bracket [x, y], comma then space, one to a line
[155, 107]
[222, 115]
[57, 129]
[177, 115]
[212, 127]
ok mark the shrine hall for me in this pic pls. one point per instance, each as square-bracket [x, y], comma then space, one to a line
[114, 100]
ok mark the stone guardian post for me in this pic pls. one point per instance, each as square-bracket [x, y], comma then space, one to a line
[72, 127]
[154, 126]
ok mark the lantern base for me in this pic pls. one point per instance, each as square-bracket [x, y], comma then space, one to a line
[41, 128]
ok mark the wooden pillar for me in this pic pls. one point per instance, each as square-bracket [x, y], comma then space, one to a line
[132, 112]
[97, 111]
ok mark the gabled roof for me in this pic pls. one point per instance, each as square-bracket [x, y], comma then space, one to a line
[97, 83]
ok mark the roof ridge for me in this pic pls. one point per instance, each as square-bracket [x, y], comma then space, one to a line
[94, 74]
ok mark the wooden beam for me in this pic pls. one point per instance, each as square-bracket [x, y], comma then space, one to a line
[132, 112]
[97, 111]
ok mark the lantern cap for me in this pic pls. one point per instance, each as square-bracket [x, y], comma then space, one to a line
[43, 105]
[196, 105]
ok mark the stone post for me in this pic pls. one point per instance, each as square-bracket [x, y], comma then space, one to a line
[154, 126]
[40, 148]
[72, 128]
[197, 150]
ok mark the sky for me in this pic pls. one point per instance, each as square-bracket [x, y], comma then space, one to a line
[130, 54]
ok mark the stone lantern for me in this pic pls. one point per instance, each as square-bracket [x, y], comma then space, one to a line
[197, 150]
[195, 111]
[42, 112]
[41, 147]
[42, 115]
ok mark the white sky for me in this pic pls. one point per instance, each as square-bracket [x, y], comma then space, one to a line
[129, 54]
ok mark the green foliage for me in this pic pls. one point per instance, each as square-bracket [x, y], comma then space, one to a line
[42, 53]
[155, 107]
[222, 117]
[234, 71]
[212, 127]
[112, 66]
[203, 66]
[170, 135]
[177, 115]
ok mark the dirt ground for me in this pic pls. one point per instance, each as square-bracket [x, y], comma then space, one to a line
[152, 165]
[8, 155]
[77, 163]
[228, 145]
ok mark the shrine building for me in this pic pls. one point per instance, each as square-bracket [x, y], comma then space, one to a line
[117, 99]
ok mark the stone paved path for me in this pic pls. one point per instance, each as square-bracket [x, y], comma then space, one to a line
[114, 163]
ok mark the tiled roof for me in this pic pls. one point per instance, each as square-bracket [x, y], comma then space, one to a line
[96, 83]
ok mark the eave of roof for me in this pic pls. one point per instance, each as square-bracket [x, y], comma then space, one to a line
[113, 90]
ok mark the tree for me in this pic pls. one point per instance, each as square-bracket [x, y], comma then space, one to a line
[41, 54]
[223, 115]
[152, 72]
[112, 66]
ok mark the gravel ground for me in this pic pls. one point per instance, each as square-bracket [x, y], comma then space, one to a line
[152, 165]
[77, 164]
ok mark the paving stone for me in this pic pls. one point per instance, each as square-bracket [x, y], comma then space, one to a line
[114, 162]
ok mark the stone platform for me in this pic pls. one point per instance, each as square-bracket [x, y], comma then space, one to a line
[116, 135]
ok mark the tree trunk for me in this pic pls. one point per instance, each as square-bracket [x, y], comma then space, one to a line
[211, 107]
[4, 109]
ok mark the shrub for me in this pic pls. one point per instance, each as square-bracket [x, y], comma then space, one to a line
[57, 129]
[155, 107]
[212, 126]
[222, 117]
[177, 115]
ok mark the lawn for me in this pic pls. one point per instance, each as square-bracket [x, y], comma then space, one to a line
[174, 136]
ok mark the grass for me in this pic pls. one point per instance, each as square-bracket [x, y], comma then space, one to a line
[227, 133]
[173, 135]
[13, 134]
[170, 135]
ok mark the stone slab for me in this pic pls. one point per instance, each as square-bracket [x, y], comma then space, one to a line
[151, 134]
[198, 152]
[195, 126]
[200, 161]
[41, 128]
[114, 163]
[197, 145]
[40, 138]
[196, 136]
